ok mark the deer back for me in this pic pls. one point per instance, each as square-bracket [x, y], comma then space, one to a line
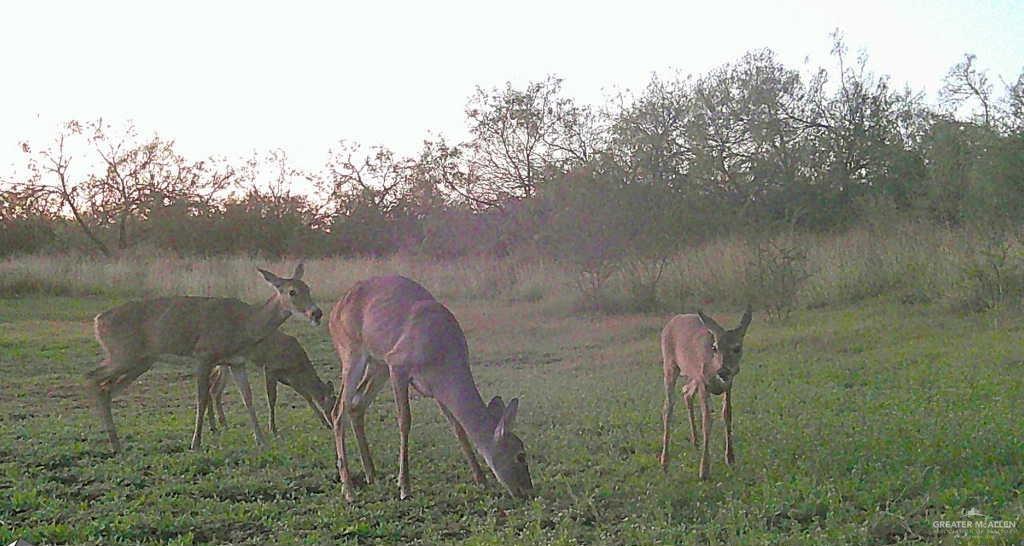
[375, 311]
[182, 326]
[282, 356]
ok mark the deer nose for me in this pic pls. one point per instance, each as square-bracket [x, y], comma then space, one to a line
[525, 492]
[317, 314]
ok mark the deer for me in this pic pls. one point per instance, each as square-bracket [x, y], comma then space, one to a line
[283, 361]
[391, 329]
[202, 331]
[708, 358]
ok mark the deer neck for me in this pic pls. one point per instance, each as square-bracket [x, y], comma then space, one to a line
[463, 399]
[265, 319]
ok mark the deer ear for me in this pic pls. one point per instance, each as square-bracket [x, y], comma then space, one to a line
[273, 279]
[508, 419]
[711, 324]
[299, 270]
[496, 407]
[745, 321]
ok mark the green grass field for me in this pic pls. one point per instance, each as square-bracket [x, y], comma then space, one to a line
[853, 425]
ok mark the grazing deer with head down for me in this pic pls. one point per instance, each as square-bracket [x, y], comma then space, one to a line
[708, 358]
[391, 328]
[203, 330]
[283, 361]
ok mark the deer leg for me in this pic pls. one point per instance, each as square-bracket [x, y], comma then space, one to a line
[242, 379]
[705, 421]
[671, 374]
[96, 380]
[352, 368]
[316, 412]
[688, 397]
[104, 386]
[400, 385]
[140, 367]
[730, 458]
[271, 381]
[210, 417]
[320, 415]
[217, 398]
[202, 401]
[358, 416]
[467, 448]
[372, 382]
[103, 407]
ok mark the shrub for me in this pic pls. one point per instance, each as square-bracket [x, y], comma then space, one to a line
[775, 273]
[992, 275]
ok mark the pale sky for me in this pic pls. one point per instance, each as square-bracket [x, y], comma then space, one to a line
[227, 78]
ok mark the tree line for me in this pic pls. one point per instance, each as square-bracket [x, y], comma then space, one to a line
[753, 146]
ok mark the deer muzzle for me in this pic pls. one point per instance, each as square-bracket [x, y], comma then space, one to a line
[716, 384]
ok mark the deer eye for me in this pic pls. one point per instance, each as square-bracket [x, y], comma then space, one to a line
[521, 458]
[291, 292]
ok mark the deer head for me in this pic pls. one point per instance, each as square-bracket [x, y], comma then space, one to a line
[324, 397]
[728, 347]
[293, 294]
[507, 456]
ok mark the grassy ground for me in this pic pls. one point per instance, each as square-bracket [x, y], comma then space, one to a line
[855, 425]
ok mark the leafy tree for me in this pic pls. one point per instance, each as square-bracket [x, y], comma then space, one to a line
[995, 196]
[26, 221]
[867, 134]
[1013, 106]
[750, 136]
[119, 179]
[965, 83]
[520, 137]
[649, 138]
[50, 178]
[367, 193]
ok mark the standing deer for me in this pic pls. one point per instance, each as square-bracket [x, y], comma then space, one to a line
[283, 361]
[708, 357]
[391, 328]
[204, 330]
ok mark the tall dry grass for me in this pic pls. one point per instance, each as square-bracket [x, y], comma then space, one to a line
[235, 276]
[914, 263]
[971, 269]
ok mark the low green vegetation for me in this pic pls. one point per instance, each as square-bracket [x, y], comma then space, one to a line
[854, 424]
